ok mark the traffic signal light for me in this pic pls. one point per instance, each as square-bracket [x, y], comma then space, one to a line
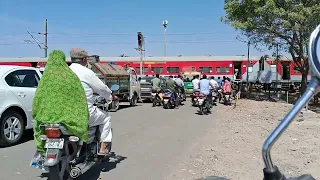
[140, 40]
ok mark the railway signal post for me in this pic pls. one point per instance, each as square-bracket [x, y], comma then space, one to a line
[140, 49]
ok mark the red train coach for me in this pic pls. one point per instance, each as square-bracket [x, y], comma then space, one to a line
[234, 67]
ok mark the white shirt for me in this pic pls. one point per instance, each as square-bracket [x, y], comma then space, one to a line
[179, 82]
[195, 83]
[214, 83]
[91, 84]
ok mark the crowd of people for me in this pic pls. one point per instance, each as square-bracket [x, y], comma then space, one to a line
[204, 85]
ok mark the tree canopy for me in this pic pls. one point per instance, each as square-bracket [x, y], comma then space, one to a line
[287, 23]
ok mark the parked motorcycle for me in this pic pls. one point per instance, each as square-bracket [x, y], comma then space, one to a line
[155, 97]
[66, 156]
[272, 172]
[168, 100]
[114, 105]
[204, 104]
[195, 97]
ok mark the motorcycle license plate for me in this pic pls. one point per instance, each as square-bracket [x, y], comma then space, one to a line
[54, 143]
[200, 101]
[166, 100]
[153, 94]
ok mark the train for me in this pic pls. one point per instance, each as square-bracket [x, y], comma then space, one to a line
[237, 68]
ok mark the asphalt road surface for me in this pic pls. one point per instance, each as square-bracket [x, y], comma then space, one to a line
[150, 140]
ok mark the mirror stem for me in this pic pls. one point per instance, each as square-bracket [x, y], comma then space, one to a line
[299, 105]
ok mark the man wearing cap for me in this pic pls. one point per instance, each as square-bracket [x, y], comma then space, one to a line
[92, 84]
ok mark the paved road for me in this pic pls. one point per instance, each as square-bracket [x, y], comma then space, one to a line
[152, 140]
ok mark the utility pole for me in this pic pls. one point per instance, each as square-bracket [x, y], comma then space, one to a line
[165, 24]
[248, 54]
[277, 66]
[140, 50]
[46, 39]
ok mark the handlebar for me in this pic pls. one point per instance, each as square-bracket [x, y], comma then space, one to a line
[271, 171]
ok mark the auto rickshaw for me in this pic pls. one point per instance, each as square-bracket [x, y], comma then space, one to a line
[188, 86]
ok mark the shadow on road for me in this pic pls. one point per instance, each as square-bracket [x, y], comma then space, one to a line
[28, 136]
[95, 172]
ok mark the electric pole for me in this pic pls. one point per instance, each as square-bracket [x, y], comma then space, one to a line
[248, 44]
[46, 39]
[165, 24]
[277, 66]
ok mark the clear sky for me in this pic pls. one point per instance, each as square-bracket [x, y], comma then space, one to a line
[109, 28]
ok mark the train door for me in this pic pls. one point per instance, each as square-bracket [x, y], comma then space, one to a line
[285, 70]
[237, 69]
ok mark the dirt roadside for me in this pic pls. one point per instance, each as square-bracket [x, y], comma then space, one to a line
[232, 145]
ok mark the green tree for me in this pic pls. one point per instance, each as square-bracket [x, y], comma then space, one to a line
[286, 23]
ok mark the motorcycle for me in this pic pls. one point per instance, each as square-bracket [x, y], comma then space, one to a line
[215, 95]
[227, 99]
[204, 104]
[66, 156]
[114, 105]
[168, 100]
[195, 97]
[155, 96]
[271, 171]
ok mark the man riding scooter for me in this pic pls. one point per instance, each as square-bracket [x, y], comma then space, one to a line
[204, 85]
[195, 83]
[171, 85]
[156, 86]
[92, 84]
[227, 90]
[180, 86]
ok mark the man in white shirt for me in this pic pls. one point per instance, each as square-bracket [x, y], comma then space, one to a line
[195, 83]
[180, 84]
[92, 84]
[214, 82]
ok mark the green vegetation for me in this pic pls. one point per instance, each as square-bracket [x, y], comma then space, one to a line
[271, 23]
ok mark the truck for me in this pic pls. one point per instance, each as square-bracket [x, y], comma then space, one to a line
[125, 77]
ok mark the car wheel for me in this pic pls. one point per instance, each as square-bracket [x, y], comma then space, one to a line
[11, 128]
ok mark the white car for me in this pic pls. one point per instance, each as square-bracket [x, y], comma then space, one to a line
[18, 85]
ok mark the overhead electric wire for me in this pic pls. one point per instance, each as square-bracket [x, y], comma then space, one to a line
[122, 43]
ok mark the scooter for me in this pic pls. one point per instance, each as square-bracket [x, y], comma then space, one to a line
[227, 99]
[195, 97]
[66, 156]
[168, 99]
[204, 104]
[272, 172]
[155, 97]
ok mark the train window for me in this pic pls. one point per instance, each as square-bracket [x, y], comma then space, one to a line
[205, 69]
[173, 69]
[157, 69]
[145, 69]
[193, 69]
[225, 69]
